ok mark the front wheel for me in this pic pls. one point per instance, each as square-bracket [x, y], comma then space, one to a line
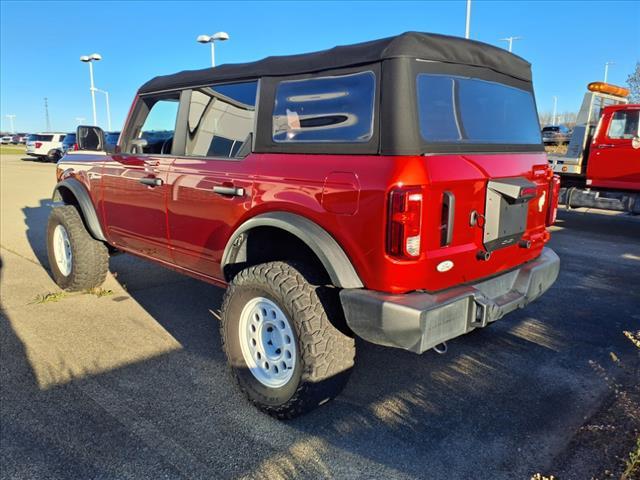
[286, 354]
[77, 260]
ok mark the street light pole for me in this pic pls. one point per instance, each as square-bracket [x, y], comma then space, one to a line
[11, 117]
[93, 95]
[555, 108]
[467, 29]
[90, 59]
[606, 70]
[106, 94]
[510, 40]
[220, 36]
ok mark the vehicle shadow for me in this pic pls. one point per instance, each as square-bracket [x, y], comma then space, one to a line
[36, 222]
[503, 400]
[597, 224]
[32, 159]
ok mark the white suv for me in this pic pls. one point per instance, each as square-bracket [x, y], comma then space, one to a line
[45, 146]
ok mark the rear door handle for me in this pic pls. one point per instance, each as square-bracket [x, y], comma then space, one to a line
[151, 182]
[233, 191]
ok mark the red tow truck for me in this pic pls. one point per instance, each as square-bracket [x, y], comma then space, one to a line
[602, 166]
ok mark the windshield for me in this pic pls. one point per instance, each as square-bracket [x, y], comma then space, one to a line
[455, 109]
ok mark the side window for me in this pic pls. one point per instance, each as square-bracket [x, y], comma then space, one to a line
[221, 119]
[325, 109]
[154, 127]
[624, 125]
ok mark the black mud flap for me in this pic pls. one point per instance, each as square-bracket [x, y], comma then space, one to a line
[506, 209]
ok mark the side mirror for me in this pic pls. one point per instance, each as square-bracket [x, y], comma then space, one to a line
[635, 143]
[90, 138]
[138, 145]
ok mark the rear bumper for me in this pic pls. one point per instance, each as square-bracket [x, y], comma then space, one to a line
[419, 321]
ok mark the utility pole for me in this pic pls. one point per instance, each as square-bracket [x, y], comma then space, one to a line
[46, 114]
[555, 107]
[606, 70]
[467, 30]
[11, 117]
[510, 40]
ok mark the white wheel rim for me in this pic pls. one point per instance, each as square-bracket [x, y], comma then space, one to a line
[267, 342]
[62, 250]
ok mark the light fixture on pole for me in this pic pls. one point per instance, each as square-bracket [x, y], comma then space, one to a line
[606, 70]
[94, 57]
[80, 120]
[212, 39]
[106, 94]
[555, 108]
[510, 40]
[11, 117]
[467, 30]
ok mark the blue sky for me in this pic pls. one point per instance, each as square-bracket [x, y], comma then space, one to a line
[567, 42]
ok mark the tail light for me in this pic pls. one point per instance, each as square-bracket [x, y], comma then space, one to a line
[38, 144]
[404, 222]
[75, 146]
[554, 194]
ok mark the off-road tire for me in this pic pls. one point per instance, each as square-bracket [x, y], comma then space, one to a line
[325, 355]
[90, 257]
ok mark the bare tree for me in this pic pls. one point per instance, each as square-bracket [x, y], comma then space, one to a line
[564, 118]
[545, 118]
[633, 81]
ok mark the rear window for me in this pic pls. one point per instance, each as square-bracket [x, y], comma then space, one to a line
[624, 125]
[550, 129]
[41, 138]
[462, 110]
[326, 109]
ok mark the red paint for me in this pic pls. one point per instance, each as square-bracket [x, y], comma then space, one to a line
[183, 224]
[341, 193]
[613, 162]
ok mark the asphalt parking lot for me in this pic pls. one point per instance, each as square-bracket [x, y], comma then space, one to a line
[130, 381]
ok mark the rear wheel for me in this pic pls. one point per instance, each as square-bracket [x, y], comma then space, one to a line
[53, 156]
[285, 353]
[77, 260]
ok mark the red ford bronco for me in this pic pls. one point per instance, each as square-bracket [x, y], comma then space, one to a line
[396, 189]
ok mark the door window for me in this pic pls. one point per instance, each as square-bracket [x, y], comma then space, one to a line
[154, 126]
[624, 125]
[221, 119]
[325, 109]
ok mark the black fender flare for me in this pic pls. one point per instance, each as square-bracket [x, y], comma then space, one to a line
[84, 203]
[331, 255]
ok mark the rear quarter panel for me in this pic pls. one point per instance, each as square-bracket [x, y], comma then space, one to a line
[297, 184]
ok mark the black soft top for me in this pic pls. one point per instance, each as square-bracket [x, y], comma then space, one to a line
[425, 46]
